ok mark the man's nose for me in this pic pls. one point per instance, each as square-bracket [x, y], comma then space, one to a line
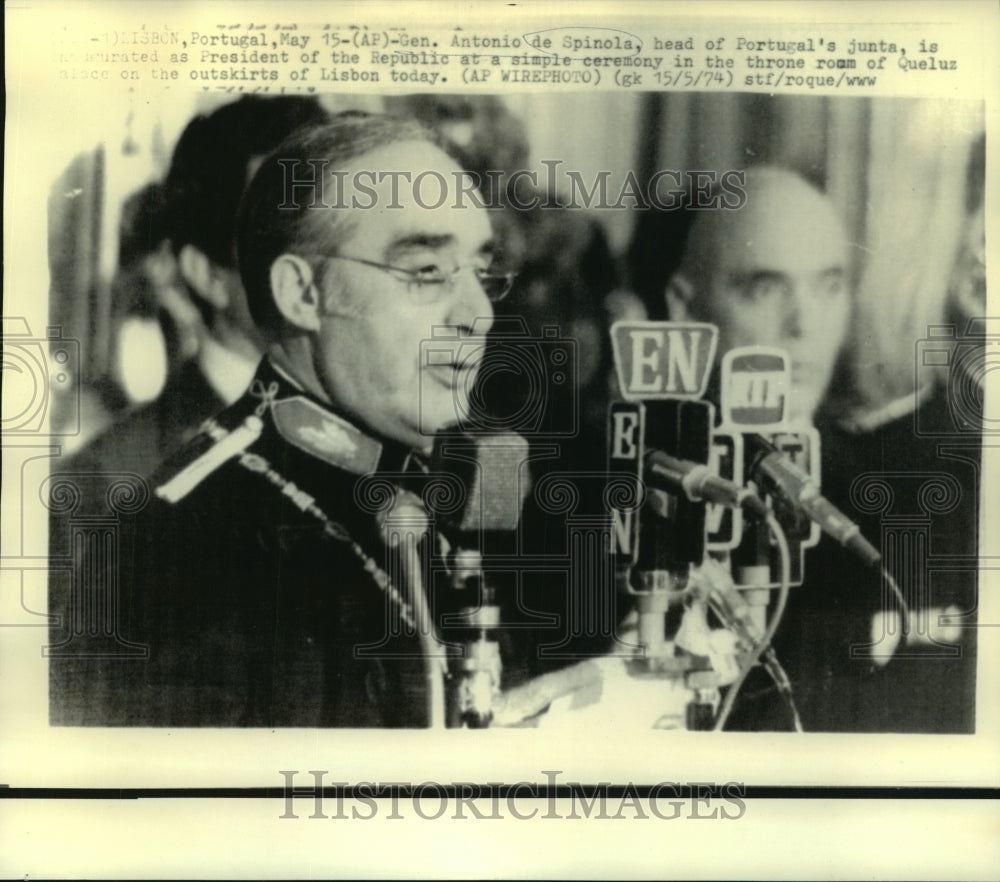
[471, 308]
[792, 318]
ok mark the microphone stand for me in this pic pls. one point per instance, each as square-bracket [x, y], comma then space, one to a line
[405, 528]
[480, 666]
[659, 657]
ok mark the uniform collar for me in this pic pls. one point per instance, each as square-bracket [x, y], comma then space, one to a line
[324, 432]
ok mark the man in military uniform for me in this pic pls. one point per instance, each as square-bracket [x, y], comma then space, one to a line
[258, 577]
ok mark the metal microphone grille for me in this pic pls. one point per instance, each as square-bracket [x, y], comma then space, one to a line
[491, 470]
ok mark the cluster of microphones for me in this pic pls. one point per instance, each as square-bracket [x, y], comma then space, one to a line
[723, 501]
[730, 488]
[722, 469]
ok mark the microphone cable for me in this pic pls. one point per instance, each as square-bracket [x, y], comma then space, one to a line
[754, 655]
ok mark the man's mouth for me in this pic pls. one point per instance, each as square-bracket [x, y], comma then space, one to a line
[803, 370]
[455, 372]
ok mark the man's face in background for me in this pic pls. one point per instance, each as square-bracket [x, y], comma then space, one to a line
[773, 273]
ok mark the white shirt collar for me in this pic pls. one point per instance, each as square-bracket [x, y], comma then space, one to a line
[869, 421]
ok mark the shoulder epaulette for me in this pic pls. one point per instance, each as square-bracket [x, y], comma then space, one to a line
[325, 435]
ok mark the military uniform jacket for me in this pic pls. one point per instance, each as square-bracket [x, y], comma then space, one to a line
[250, 608]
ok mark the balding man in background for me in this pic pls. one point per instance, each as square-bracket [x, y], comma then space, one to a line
[772, 273]
[775, 273]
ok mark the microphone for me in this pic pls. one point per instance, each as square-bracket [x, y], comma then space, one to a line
[405, 519]
[696, 496]
[403, 528]
[754, 387]
[663, 370]
[698, 482]
[493, 484]
[777, 474]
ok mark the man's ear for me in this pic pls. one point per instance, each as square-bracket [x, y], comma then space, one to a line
[679, 293]
[200, 273]
[295, 293]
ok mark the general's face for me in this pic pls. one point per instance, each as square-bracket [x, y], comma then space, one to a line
[369, 358]
[778, 279]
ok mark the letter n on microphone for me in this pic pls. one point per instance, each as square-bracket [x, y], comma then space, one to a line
[626, 430]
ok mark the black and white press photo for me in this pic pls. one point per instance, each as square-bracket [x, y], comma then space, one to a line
[539, 349]
[438, 413]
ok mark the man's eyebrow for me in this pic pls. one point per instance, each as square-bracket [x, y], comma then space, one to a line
[434, 242]
[422, 240]
[752, 276]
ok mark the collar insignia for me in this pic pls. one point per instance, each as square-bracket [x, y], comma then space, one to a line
[326, 436]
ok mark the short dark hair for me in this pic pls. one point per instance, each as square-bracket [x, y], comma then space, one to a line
[266, 229]
[143, 223]
[209, 168]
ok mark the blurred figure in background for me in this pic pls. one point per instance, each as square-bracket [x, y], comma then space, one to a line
[968, 288]
[152, 311]
[179, 263]
[927, 447]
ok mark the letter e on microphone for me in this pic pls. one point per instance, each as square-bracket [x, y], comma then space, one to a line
[626, 431]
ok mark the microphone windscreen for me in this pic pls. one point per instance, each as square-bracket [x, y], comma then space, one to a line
[492, 471]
